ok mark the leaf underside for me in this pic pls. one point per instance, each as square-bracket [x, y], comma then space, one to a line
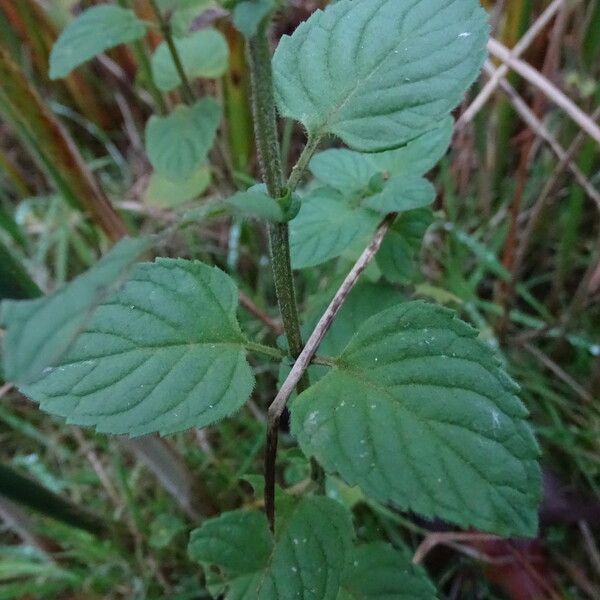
[419, 412]
[165, 353]
[378, 73]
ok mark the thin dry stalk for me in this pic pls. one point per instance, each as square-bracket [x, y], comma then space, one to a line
[546, 87]
[550, 185]
[451, 538]
[559, 372]
[540, 129]
[488, 89]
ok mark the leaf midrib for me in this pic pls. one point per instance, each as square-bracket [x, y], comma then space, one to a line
[212, 344]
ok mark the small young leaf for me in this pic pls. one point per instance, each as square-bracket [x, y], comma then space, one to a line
[165, 353]
[204, 53]
[305, 559]
[348, 171]
[39, 332]
[97, 29]
[378, 572]
[420, 413]
[248, 15]
[378, 73]
[165, 193]
[401, 194]
[179, 143]
[326, 226]
[257, 204]
[397, 257]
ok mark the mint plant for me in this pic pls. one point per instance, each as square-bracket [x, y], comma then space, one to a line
[399, 399]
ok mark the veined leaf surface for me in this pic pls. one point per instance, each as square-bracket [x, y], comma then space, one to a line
[378, 73]
[165, 353]
[420, 413]
[326, 226]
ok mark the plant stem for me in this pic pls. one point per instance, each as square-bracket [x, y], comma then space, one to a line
[303, 361]
[266, 350]
[165, 27]
[263, 104]
[300, 166]
[265, 125]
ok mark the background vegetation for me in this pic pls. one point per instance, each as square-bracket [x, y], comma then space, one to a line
[515, 247]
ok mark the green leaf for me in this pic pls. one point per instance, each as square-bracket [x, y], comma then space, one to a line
[165, 353]
[378, 572]
[247, 16]
[364, 301]
[329, 225]
[349, 171]
[39, 332]
[96, 30]
[326, 226]
[398, 256]
[179, 143]
[165, 193]
[378, 73]
[418, 412]
[305, 559]
[204, 53]
[254, 203]
[401, 194]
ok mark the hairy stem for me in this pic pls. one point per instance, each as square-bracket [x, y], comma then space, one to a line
[263, 105]
[266, 350]
[265, 125]
[165, 27]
